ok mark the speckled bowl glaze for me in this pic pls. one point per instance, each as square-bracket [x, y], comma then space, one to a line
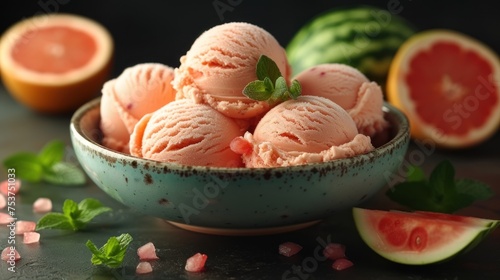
[236, 201]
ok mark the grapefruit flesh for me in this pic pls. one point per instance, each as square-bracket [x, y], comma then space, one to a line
[55, 62]
[447, 84]
[55, 49]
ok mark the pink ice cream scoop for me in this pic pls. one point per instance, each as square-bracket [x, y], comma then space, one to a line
[349, 88]
[221, 62]
[186, 133]
[138, 90]
[309, 129]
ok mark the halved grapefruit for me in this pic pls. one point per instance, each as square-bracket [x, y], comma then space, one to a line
[447, 84]
[53, 63]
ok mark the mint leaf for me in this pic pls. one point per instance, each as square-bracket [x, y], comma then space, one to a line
[46, 166]
[257, 90]
[295, 89]
[406, 193]
[441, 193]
[51, 153]
[442, 179]
[473, 188]
[74, 216]
[271, 86]
[266, 67]
[54, 220]
[112, 252]
[415, 174]
[28, 166]
[63, 173]
[279, 90]
[89, 209]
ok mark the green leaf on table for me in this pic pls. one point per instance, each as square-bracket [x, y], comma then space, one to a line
[90, 208]
[27, 165]
[474, 188]
[64, 173]
[271, 86]
[415, 174]
[51, 153]
[441, 193]
[112, 252]
[47, 166]
[74, 216]
[54, 221]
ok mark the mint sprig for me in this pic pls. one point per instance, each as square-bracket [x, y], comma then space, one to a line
[271, 86]
[47, 165]
[440, 193]
[74, 216]
[112, 252]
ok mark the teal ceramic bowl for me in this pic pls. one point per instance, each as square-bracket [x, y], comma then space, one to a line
[237, 201]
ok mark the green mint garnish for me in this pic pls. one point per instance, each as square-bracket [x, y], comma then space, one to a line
[440, 193]
[74, 216]
[271, 86]
[47, 165]
[112, 253]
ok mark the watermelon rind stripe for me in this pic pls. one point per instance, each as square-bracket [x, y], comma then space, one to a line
[339, 36]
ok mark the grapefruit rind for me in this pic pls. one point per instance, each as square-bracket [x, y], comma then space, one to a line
[470, 236]
[62, 92]
[398, 91]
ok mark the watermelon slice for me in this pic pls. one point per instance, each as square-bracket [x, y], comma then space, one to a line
[418, 238]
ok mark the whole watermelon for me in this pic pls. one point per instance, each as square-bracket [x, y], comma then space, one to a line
[364, 37]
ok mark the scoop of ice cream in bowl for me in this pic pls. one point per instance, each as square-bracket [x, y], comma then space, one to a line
[214, 160]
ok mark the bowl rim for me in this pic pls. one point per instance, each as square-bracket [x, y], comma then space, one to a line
[401, 136]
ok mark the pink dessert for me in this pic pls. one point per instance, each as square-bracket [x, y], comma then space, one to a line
[187, 133]
[350, 89]
[221, 62]
[139, 90]
[306, 130]
[197, 114]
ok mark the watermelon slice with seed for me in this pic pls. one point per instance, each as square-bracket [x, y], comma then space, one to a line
[419, 238]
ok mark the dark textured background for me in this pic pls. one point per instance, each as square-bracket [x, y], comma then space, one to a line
[162, 31]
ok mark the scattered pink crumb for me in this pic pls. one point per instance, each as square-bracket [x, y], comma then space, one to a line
[42, 205]
[147, 252]
[4, 187]
[10, 254]
[196, 263]
[5, 219]
[24, 226]
[334, 251]
[31, 237]
[289, 249]
[3, 201]
[143, 268]
[341, 264]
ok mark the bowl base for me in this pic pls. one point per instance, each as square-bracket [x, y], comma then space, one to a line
[244, 231]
